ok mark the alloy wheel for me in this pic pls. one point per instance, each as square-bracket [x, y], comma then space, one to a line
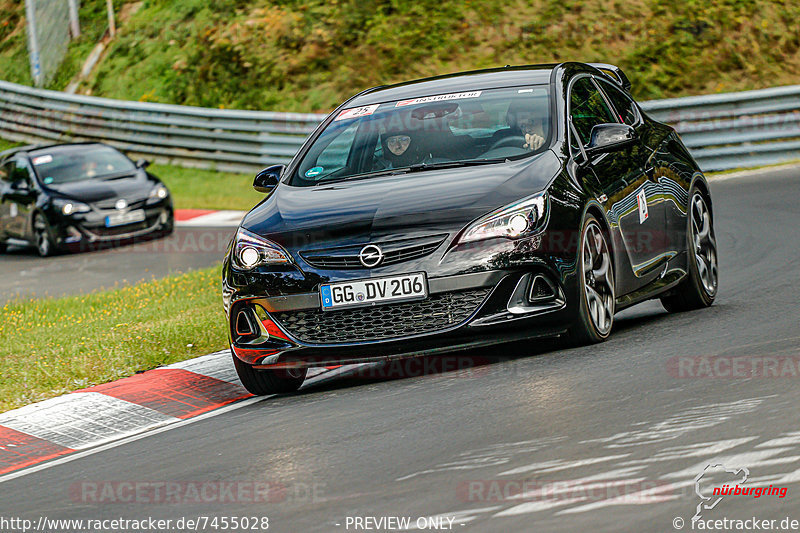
[705, 245]
[598, 281]
[42, 238]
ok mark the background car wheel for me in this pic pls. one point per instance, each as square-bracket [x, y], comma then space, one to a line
[44, 242]
[700, 286]
[596, 270]
[263, 382]
[2, 247]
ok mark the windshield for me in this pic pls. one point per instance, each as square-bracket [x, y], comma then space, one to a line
[449, 129]
[78, 164]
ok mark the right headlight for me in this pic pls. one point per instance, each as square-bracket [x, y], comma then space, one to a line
[519, 219]
[69, 207]
[251, 250]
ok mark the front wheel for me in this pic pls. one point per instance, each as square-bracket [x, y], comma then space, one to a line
[44, 241]
[264, 382]
[596, 286]
[699, 288]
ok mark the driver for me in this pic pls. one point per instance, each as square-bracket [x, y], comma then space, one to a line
[533, 130]
[522, 122]
[400, 149]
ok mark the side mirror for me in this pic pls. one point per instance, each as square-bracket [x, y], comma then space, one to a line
[609, 137]
[142, 163]
[268, 179]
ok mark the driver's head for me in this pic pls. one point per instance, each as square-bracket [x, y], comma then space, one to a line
[401, 148]
[523, 118]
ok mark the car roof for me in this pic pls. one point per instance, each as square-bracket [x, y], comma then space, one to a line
[457, 82]
[34, 149]
[65, 147]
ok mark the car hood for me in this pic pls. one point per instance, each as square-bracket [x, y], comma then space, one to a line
[131, 188]
[385, 208]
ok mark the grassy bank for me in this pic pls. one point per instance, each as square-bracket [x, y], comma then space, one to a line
[208, 189]
[308, 55]
[52, 346]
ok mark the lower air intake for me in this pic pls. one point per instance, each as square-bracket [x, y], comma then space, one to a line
[379, 322]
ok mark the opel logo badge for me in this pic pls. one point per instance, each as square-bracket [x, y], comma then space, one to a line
[370, 256]
[121, 204]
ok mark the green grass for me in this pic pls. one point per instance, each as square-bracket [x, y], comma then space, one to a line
[208, 189]
[52, 346]
[308, 55]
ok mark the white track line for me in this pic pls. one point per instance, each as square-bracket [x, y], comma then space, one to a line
[85, 453]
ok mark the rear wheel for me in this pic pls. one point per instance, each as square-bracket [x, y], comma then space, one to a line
[263, 382]
[44, 241]
[596, 271]
[700, 286]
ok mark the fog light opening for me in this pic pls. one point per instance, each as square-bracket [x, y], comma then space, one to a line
[541, 290]
[243, 326]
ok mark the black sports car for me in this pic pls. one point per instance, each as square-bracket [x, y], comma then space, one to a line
[75, 196]
[465, 210]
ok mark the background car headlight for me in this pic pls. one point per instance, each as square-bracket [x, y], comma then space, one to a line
[250, 251]
[159, 191]
[68, 207]
[519, 219]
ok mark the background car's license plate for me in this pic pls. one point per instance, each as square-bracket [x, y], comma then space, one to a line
[125, 218]
[370, 291]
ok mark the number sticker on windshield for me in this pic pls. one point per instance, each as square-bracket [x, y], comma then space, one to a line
[356, 112]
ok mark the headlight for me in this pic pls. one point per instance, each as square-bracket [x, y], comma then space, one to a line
[159, 191]
[250, 251]
[69, 207]
[516, 220]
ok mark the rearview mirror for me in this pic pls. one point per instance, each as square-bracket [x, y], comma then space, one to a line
[609, 137]
[266, 180]
[142, 163]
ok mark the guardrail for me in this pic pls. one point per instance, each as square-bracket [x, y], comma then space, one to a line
[722, 131]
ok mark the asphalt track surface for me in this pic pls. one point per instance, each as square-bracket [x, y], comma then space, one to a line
[615, 414]
[24, 274]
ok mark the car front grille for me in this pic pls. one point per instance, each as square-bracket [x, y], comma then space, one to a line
[393, 252]
[388, 321]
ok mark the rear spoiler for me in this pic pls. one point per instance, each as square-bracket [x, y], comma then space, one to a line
[615, 73]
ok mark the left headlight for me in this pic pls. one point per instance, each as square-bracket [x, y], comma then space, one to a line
[519, 219]
[69, 207]
[159, 191]
[250, 251]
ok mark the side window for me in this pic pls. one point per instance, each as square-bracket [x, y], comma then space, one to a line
[623, 105]
[20, 172]
[5, 173]
[588, 108]
[335, 155]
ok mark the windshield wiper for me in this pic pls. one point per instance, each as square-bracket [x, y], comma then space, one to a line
[384, 172]
[453, 164]
[116, 175]
[415, 168]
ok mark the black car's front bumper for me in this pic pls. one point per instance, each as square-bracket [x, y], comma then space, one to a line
[89, 229]
[462, 311]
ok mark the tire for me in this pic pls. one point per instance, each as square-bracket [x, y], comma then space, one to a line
[264, 382]
[699, 288]
[43, 239]
[596, 306]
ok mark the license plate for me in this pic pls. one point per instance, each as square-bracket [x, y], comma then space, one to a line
[121, 219]
[373, 291]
